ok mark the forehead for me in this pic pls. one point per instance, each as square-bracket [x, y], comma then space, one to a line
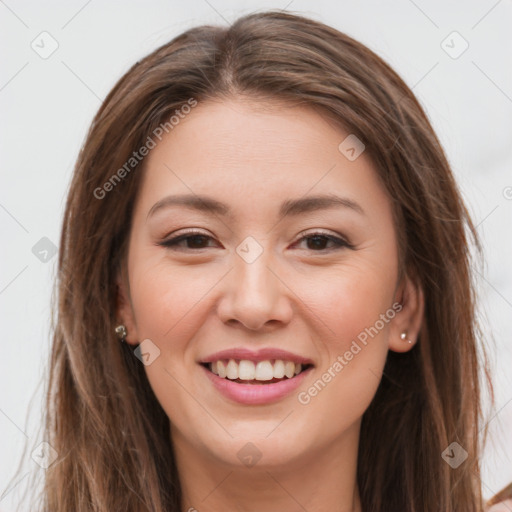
[252, 153]
[261, 131]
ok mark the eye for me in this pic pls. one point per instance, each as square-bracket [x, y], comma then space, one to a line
[192, 239]
[196, 240]
[317, 241]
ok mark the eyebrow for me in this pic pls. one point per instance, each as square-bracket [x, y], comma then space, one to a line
[291, 207]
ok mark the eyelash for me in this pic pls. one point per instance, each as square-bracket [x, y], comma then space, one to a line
[172, 243]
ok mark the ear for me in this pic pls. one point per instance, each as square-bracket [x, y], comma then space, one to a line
[409, 319]
[124, 309]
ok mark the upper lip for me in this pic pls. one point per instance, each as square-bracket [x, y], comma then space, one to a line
[258, 355]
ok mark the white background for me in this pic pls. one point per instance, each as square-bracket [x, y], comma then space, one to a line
[47, 106]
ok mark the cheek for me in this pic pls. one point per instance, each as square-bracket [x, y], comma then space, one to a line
[354, 305]
[167, 302]
[354, 349]
[167, 298]
[350, 301]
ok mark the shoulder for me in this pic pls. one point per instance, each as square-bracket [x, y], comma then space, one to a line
[501, 502]
[502, 506]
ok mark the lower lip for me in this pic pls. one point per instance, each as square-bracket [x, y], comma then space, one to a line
[256, 394]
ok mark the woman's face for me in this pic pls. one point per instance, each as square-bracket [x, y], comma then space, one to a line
[273, 273]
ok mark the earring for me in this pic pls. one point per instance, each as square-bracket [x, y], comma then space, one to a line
[121, 332]
[403, 336]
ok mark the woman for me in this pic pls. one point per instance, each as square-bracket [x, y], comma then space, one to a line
[266, 219]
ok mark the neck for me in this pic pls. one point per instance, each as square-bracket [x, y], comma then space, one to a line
[323, 479]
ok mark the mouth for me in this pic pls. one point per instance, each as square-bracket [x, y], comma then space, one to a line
[246, 371]
[258, 377]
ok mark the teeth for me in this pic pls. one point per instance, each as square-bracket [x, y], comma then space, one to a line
[289, 369]
[279, 369]
[232, 370]
[246, 370]
[262, 370]
[221, 369]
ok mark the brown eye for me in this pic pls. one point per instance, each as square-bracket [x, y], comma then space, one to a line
[317, 242]
[193, 240]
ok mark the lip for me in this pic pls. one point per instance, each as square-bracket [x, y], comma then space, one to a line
[256, 394]
[260, 355]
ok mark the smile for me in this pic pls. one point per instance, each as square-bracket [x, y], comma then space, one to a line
[256, 372]
[253, 391]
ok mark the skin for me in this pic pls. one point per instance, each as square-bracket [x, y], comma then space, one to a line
[503, 506]
[310, 299]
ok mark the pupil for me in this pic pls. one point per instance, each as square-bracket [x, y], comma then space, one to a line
[196, 238]
[318, 240]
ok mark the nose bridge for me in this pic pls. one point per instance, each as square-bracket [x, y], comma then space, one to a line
[255, 284]
[253, 278]
[255, 294]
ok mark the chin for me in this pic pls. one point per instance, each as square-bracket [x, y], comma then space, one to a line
[250, 447]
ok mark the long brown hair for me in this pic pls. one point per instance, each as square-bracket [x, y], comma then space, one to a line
[102, 418]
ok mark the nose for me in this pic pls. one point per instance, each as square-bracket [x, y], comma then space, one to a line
[255, 297]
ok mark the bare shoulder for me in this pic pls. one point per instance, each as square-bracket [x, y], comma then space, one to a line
[501, 502]
[502, 506]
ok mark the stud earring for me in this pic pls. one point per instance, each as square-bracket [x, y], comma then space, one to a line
[403, 336]
[121, 332]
